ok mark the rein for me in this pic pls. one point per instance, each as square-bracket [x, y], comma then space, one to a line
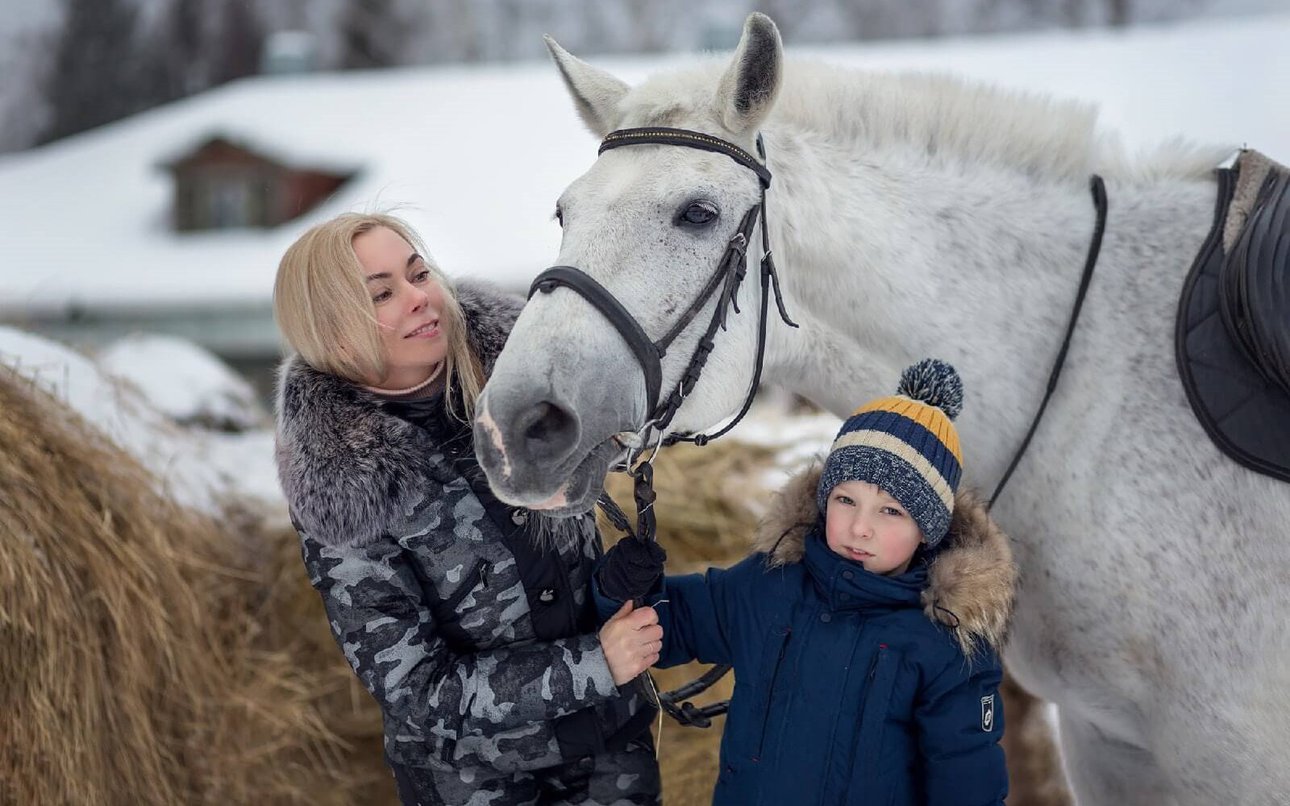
[1098, 189]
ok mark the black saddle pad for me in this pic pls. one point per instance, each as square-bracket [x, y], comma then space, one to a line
[1233, 329]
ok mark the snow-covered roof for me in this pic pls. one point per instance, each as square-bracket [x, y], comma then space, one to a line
[475, 157]
[280, 153]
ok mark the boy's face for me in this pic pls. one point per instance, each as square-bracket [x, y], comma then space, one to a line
[864, 524]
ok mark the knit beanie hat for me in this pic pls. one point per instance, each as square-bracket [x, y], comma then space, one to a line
[905, 444]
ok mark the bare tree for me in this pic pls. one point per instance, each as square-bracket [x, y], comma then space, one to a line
[1119, 12]
[1073, 12]
[787, 14]
[454, 32]
[372, 34]
[96, 76]
[650, 25]
[880, 19]
[183, 43]
[241, 42]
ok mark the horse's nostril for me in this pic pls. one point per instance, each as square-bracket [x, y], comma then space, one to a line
[548, 428]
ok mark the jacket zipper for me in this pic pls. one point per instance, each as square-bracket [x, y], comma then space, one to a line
[870, 717]
[478, 575]
[873, 670]
[770, 693]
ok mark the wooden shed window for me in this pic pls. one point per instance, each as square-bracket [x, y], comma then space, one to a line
[227, 199]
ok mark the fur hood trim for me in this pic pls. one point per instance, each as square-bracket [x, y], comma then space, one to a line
[972, 580]
[347, 467]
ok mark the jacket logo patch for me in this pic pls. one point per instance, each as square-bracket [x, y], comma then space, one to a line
[987, 713]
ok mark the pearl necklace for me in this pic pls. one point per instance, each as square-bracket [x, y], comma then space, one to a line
[400, 392]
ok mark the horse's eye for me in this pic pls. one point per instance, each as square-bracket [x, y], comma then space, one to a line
[559, 216]
[698, 214]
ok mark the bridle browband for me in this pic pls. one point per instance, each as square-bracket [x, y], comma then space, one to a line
[724, 283]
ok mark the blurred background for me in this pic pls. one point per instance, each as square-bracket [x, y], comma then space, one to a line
[71, 65]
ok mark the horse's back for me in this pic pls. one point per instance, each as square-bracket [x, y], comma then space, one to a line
[1154, 595]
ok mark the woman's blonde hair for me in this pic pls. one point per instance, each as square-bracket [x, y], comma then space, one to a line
[324, 310]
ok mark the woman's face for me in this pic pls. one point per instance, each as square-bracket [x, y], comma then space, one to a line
[408, 302]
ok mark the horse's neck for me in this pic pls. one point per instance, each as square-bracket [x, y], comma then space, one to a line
[887, 263]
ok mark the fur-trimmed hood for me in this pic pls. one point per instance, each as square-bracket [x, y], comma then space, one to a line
[971, 582]
[347, 467]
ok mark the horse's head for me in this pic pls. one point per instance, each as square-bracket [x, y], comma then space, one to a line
[649, 223]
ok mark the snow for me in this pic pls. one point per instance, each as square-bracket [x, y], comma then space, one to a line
[474, 157]
[199, 469]
[186, 383]
[797, 439]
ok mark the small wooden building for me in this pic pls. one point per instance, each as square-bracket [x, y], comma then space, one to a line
[224, 184]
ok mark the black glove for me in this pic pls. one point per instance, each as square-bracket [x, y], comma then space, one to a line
[631, 569]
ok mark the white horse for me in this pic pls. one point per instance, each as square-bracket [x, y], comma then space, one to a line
[914, 216]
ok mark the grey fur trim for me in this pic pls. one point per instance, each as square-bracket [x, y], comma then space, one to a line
[346, 466]
[490, 314]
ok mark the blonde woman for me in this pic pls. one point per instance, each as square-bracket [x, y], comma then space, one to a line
[470, 622]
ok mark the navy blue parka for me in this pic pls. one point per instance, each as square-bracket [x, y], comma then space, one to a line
[850, 687]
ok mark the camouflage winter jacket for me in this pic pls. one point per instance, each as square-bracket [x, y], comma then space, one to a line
[476, 637]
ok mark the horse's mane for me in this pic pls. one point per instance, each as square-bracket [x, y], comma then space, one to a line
[951, 118]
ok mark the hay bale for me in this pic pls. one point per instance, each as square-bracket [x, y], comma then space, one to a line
[145, 651]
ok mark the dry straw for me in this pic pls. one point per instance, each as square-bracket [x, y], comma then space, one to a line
[149, 655]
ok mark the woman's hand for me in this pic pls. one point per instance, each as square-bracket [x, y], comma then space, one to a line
[631, 639]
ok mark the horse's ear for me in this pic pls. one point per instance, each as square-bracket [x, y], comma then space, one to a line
[751, 82]
[595, 92]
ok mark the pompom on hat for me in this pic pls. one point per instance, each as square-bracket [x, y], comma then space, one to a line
[907, 445]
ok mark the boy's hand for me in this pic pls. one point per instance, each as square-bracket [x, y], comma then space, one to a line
[631, 639]
[631, 568]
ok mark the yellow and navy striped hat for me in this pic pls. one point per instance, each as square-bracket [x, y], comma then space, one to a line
[906, 444]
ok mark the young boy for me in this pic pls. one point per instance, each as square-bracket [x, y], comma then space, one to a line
[864, 632]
